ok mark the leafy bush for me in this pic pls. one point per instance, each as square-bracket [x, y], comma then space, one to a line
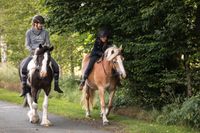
[186, 114]
[8, 73]
[70, 87]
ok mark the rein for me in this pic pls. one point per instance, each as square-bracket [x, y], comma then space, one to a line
[104, 69]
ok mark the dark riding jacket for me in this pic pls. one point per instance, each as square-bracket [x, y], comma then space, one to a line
[99, 48]
[96, 53]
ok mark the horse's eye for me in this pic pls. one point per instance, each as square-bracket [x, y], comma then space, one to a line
[114, 62]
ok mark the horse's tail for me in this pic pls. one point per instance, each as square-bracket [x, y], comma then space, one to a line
[87, 93]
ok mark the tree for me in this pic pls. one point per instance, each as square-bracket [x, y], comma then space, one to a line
[155, 35]
[15, 20]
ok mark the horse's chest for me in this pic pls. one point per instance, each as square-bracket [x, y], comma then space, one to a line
[38, 82]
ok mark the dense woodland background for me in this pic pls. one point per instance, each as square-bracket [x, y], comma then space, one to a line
[160, 40]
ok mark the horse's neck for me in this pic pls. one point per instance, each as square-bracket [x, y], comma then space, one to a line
[107, 67]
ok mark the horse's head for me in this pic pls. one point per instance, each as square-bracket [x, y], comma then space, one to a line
[113, 54]
[42, 59]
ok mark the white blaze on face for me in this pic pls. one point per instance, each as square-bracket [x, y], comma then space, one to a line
[113, 52]
[32, 66]
[121, 66]
[43, 71]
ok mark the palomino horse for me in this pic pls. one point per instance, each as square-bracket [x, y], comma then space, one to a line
[102, 78]
[40, 77]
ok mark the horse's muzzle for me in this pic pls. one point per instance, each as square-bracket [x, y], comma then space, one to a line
[122, 75]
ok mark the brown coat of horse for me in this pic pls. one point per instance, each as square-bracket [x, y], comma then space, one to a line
[101, 78]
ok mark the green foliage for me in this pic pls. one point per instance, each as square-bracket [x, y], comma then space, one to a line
[69, 49]
[154, 35]
[8, 73]
[71, 90]
[187, 113]
[15, 20]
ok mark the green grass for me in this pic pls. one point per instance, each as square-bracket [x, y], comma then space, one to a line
[61, 106]
[8, 73]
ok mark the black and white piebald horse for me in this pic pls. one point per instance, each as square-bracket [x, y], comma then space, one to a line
[40, 76]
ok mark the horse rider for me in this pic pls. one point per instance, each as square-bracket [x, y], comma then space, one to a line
[100, 45]
[34, 37]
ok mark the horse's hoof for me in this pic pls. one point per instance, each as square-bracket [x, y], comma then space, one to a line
[35, 121]
[106, 123]
[88, 116]
[46, 124]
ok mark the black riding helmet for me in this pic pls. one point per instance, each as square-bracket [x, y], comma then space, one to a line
[38, 19]
[104, 32]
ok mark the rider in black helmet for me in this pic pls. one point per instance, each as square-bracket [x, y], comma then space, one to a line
[100, 45]
[34, 37]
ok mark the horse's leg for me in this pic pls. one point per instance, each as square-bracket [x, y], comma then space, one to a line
[35, 116]
[45, 121]
[111, 95]
[102, 102]
[87, 101]
[30, 101]
[32, 114]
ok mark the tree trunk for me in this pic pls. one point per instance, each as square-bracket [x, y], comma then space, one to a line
[3, 50]
[72, 62]
[197, 21]
[188, 76]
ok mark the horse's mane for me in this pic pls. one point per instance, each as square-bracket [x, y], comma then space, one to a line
[112, 52]
[41, 50]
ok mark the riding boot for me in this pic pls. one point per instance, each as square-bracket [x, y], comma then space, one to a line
[56, 83]
[24, 86]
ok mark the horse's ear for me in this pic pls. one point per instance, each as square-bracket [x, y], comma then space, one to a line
[120, 48]
[114, 46]
[51, 48]
[40, 46]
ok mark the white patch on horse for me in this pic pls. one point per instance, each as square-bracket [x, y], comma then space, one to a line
[31, 67]
[31, 64]
[45, 120]
[44, 63]
[121, 67]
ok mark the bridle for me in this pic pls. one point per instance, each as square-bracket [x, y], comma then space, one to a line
[113, 64]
